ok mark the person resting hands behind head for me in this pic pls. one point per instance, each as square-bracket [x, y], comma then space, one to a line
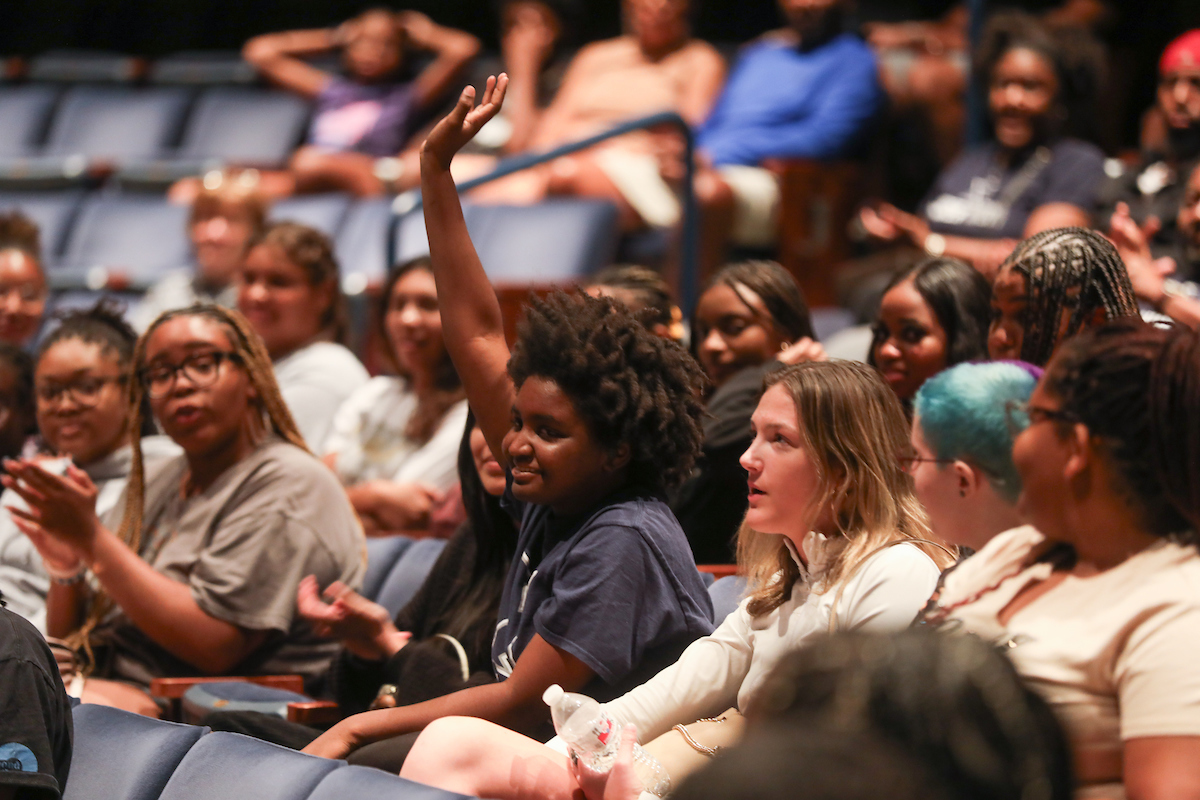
[593, 417]
[200, 574]
[393, 442]
[834, 540]
[363, 116]
[1053, 286]
[81, 397]
[962, 450]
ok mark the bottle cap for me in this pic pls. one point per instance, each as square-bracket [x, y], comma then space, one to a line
[552, 695]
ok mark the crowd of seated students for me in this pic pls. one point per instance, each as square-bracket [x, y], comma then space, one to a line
[1015, 457]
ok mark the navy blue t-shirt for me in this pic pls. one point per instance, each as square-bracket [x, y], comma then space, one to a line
[975, 196]
[616, 587]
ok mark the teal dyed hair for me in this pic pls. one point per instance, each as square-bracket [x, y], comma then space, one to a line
[962, 417]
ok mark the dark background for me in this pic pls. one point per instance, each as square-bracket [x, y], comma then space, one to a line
[157, 27]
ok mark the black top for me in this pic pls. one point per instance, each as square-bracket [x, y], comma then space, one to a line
[35, 715]
[615, 586]
[428, 666]
[712, 502]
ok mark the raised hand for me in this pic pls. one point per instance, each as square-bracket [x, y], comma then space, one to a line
[460, 125]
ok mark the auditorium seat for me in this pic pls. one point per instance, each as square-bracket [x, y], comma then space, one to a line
[25, 118]
[85, 66]
[725, 594]
[54, 212]
[123, 241]
[114, 123]
[229, 125]
[382, 554]
[361, 245]
[408, 574]
[324, 212]
[222, 766]
[202, 68]
[123, 756]
[363, 782]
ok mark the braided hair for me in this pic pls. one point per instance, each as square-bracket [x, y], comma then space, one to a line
[1071, 269]
[630, 387]
[257, 363]
[1136, 386]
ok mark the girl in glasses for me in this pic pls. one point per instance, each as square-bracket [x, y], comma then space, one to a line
[197, 571]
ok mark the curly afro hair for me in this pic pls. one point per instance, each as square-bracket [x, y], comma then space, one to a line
[631, 387]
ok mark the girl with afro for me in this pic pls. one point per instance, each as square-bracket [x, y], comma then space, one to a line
[594, 418]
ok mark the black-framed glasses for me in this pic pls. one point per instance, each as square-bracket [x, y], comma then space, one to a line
[909, 463]
[83, 392]
[1020, 414]
[201, 370]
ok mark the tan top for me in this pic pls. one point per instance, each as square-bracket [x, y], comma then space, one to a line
[1113, 653]
[612, 81]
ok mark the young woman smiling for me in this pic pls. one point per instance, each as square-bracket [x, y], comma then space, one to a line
[932, 316]
[289, 291]
[201, 574]
[593, 417]
[828, 500]
[394, 441]
[81, 396]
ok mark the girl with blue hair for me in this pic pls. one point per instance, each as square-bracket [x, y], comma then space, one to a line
[962, 441]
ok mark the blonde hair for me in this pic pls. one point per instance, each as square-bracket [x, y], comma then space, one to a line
[253, 357]
[231, 193]
[855, 432]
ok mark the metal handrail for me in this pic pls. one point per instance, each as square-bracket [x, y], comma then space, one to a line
[409, 202]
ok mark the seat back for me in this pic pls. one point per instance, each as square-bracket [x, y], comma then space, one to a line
[362, 242]
[123, 756]
[408, 574]
[141, 237]
[117, 123]
[382, 554]
[84, 66]
[24, 117]
[557, 241]
[352, 781]
[725, 594]
[324, 212]
[52, 211]
[202, 68]
[229, 765]
[244, 126]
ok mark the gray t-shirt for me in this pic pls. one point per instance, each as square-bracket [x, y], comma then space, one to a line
[242, 546]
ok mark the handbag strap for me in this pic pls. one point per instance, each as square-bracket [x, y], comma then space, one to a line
[842, 584]
[463, 664]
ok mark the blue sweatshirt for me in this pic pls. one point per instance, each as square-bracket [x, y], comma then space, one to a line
[782, 102]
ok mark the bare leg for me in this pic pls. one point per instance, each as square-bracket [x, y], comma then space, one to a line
[476, 757]
[320, 171]
[579, 176]
[119, 695]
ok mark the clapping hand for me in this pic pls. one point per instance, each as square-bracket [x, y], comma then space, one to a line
[61, 515]
[364, 628]
[460, 125]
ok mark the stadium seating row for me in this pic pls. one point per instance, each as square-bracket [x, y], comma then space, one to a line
[123, 756]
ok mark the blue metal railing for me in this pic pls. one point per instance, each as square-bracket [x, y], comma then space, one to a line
[688, 251]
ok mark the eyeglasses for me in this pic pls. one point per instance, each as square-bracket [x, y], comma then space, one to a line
[83, 392]
[909, 463]
[1020, 414]
[201, 370]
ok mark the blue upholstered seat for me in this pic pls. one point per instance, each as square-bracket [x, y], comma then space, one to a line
[408, 573]
[225, 766]
[123, 756]
[364, 782]
[726, 593]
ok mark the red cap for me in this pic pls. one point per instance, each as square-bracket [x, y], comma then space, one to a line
[1183, 52]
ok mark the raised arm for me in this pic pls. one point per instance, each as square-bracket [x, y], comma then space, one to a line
[275, 55]
[472, 325]
[454, 48]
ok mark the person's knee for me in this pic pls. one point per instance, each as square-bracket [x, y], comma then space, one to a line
[446, 746]
[712, 192]
[308, 160]
[935, 80]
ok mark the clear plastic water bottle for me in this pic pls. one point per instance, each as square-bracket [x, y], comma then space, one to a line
[592, 737]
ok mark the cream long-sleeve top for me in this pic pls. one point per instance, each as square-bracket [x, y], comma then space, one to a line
[727, 668]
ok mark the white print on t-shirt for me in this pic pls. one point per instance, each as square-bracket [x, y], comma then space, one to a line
[345, 127]
[506, 660]
[978, 209]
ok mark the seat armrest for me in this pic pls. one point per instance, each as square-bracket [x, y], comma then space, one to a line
[172, 690]
[316, 714]
[718, 571]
